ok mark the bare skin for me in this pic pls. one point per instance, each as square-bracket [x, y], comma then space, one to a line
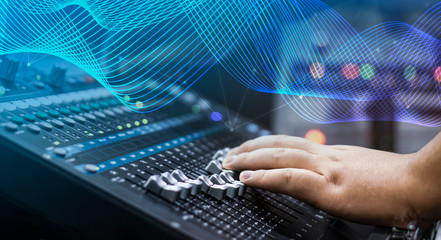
[354, 183]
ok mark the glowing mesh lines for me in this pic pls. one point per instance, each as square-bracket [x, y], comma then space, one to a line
[148, 52]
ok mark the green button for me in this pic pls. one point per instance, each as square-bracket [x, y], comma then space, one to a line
[64, 111]
[30, 117]
[75, 109]
[17, 119]
[53, 113]
[85, 107]
[104, 103]
[95, 106]
[42, 115]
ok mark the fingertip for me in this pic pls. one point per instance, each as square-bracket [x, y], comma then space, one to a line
[227, 163]
[233, 152]
[245, 176]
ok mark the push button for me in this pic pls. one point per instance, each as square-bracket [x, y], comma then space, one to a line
[90, 116]
[64, 111]
[11, 127]
[46, 126]
[42, 115]
[91, 168]
[104, 103]
[58, 123]
[69, 121]
[95, 106]
[53, 113]
[110, 113]
[80, 119]
[34, 128]
[75, 109]
[17, 120]
[21, 104]
[85, 107]
[61, 152]
[29, 118]
[99, 114]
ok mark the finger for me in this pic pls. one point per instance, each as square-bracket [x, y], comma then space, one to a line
[271, 158]
[298, 183]
[276, 141]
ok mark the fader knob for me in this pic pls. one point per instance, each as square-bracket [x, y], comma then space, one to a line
[8, 69]
[218, 191]
[206, 183]
[57, 77]
[171, 193]
[214, 166]
[155, 184]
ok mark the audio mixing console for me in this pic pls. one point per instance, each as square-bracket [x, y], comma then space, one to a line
[74, 155]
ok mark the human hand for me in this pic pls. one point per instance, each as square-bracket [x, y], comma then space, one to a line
[354, 183]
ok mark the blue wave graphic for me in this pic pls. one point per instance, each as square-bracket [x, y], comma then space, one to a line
[149, 52]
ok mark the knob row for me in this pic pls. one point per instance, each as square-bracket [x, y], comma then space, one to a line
[215, 165]
[176, 185]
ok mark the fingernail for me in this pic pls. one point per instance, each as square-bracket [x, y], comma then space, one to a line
[229, 160]
[245, 175]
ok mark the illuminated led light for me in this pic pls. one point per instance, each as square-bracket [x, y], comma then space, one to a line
[410, 73]
[100, 132]
[2, 90]
[216, 116]
[56, 143]
[137, 123]
[127, 98]
[351, 71]
[196, 108]
[316, 136]
[145, 121]
[437, 74]
[367, 72]
[128, 125]
[317, 70]
[139, 104]
[119, 127]
[38, 77]
[28, 64]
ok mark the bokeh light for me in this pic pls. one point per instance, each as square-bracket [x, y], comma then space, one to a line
[196, 108]
[317, 70]
[367, 71]
[410, 73]
[215, 116]
[438, 74]
[351, 71]
[316, 136]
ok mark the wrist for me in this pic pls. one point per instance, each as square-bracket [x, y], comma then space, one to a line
[423, 195]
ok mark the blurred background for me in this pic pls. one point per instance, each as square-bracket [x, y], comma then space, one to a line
[271, 110]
